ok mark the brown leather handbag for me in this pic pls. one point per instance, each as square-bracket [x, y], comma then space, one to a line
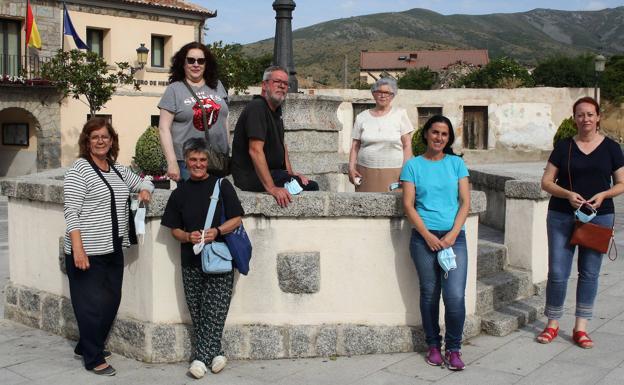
[591, 235]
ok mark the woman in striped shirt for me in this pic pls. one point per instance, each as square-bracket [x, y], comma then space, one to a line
[96, 191]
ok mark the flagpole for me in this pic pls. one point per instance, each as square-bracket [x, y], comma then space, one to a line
[26, 38]
[63, 28]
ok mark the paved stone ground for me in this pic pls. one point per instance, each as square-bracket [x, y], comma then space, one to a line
[31, 356]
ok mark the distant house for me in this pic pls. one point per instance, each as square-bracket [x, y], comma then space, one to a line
[374, 64]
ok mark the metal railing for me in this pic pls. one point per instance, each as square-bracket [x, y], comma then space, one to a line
[19, 68]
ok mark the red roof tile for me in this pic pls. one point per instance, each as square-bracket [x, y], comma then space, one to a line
[175, 4]
[435, 60]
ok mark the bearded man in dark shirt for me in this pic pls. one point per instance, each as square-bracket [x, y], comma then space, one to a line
[260, 159]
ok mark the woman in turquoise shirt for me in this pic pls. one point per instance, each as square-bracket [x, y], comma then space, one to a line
[436, 199]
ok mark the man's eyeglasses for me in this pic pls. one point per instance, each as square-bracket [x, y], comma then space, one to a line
[384, 93]
[281, 83]
[200, 60]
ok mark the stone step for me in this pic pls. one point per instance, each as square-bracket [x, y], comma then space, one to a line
[309, 163]
[498, 289]
[512, 316]
[491, 258]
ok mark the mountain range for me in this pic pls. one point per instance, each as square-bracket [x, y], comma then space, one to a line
[528, 37]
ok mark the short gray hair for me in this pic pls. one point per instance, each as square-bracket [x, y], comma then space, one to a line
[195, 145]
[390, 82]
[267, 72]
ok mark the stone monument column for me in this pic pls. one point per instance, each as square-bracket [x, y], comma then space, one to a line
[282, 50]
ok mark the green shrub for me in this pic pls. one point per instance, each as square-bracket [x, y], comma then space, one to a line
[418, 146]
[148, 155]
[567, 129]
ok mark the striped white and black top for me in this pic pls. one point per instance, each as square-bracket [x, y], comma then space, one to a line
[88, 205]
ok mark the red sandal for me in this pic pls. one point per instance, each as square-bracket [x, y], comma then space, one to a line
[548, 335]
[582, 339]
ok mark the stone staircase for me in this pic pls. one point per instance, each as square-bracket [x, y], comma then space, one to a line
[506, 297]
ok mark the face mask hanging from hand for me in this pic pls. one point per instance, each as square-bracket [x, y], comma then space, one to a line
[585, 213]
[446, 259]
[139, 222]
[198, 247]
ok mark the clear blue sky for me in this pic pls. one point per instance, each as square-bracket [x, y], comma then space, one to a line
[247, 21]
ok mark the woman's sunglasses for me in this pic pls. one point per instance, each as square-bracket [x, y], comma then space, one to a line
[200, 60]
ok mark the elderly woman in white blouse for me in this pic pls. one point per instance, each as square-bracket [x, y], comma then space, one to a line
[381, 141]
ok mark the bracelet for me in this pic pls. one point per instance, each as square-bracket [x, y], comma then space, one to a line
[188, 237]
[218, 232]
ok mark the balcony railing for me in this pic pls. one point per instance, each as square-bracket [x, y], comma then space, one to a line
[22, 69]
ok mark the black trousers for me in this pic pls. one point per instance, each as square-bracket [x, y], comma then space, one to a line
[95, 295]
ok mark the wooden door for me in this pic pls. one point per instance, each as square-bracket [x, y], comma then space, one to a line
[475, 131]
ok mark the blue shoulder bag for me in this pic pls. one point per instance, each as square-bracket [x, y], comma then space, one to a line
[215, 256]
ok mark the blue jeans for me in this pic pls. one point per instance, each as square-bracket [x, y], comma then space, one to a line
[184, 172]
[560, 255]
[432, 282]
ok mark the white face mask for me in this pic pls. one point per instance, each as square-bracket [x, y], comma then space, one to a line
[293, 187]
[139, 222]
[198, 247]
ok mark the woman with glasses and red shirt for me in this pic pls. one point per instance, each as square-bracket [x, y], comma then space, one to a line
[381, 141]
[193, 68]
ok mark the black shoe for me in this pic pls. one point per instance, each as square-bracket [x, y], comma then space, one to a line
[105, 353]
[107, 371]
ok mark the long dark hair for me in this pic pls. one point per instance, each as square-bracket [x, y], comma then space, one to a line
[448, 149]
[176, 71]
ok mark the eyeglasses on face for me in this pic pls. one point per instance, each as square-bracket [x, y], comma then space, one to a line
[97, 138]
[386, 94]
[192, 60]
[281, 83]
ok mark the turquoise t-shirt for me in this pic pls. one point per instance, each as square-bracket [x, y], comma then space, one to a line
[437, 188]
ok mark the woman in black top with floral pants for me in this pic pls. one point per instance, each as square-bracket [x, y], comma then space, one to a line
[207, 295]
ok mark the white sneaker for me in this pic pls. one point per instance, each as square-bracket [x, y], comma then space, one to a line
[218, 363]
[198, 369]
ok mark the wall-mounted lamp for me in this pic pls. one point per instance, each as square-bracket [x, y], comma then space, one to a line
[142, 52]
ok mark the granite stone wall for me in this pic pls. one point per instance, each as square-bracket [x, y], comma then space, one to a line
[151, 342]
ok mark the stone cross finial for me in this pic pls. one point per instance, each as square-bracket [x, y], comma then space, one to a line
[282, 50]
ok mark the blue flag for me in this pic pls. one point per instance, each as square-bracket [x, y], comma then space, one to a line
[68, 29]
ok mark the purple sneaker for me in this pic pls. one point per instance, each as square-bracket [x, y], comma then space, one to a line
[454, 361]
[434, 356]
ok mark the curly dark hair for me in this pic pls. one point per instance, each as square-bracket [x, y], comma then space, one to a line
[176, 71]
[448, 149]
[94, 124]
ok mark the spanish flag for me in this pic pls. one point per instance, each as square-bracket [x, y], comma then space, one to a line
[33, 39]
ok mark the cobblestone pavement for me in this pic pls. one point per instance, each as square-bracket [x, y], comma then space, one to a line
[31, 356]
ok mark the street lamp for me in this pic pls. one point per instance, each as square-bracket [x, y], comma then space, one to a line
[142, 52]
[599, 67]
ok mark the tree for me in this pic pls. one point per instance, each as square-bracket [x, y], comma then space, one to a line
[83, 73]
[236, 70]
[564, 71]
[499, 73]
[567, 129]
[612, 80]
[417, 79]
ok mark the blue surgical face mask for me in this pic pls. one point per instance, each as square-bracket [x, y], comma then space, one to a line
[583, 217]
[293, 187]
[446, 259]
